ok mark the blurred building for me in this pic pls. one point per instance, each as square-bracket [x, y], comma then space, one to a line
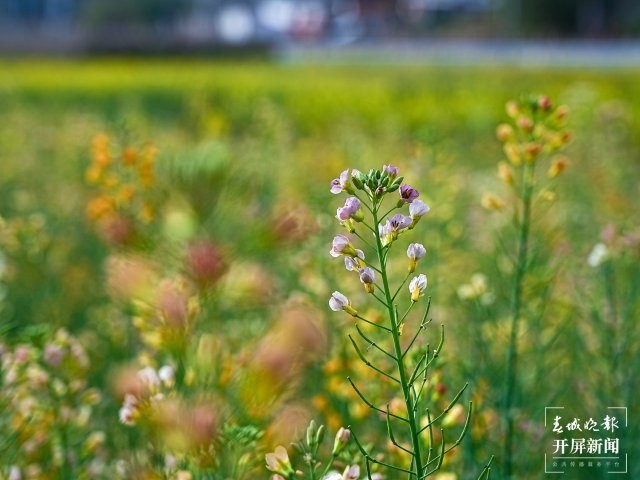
[121, 25]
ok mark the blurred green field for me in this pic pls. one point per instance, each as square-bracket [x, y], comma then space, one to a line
[246, 152]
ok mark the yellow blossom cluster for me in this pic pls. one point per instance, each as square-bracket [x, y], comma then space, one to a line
[123, 180]
[536, 131]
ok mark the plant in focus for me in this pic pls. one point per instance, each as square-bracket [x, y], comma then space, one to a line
[374, 216]
[537, 132]
[279, 463]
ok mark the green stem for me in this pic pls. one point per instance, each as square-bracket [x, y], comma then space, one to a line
[388, 212]
[363, 240]
[528, 177]
[401, 285]
[362, 202]
[417, 470]
[367, 225]
[326, 469]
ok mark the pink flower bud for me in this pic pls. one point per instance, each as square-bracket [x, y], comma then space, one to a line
[391, 170]
[407, 194]
[341, 245]
[205, 263]
[415, 252]
[367, 277]
[544, 102]
[343, 436]
[417, 286]
[339, 302]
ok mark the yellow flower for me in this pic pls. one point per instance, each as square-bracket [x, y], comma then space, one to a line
[491, 201]
[558, 165]
[111, 180]
[512, 151]
[129, 156]
[147, 213]
[505, 132]
[525, 124]
[512, 108]
[100, 207]
[101, 140]
[505, 173]
[93, 174]
[126, 194]
[531, 151]
[146, 173]
[102, 158]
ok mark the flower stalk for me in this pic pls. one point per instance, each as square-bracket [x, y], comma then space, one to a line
[537, 131]
[399, 357]
[528, 182]
[407, 364]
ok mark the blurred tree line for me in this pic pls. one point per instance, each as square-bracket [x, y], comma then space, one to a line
[577, 17]
[554, 18]
[101, 12]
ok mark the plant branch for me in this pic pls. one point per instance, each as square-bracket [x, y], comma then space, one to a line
[374, 344]
[371, 405]
[368, 363]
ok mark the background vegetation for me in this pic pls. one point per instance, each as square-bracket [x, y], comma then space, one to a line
[245, 154]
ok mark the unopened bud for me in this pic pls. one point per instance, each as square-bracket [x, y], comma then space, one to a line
[368, 277]
[544, 103]
[525, 124]
[512, 151]
[311, 434]
[561, 113]
[491, 201]
[505, 132]
[513, 108]
[532, 150]
[320, 434]
[558, 165]
[342, 439]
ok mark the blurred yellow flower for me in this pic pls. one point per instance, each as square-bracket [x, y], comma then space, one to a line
[491, 201]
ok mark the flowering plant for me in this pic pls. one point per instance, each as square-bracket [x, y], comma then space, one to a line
[401, 358]
[537, 132]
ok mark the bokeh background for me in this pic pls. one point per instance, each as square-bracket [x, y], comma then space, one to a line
[164, 200]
